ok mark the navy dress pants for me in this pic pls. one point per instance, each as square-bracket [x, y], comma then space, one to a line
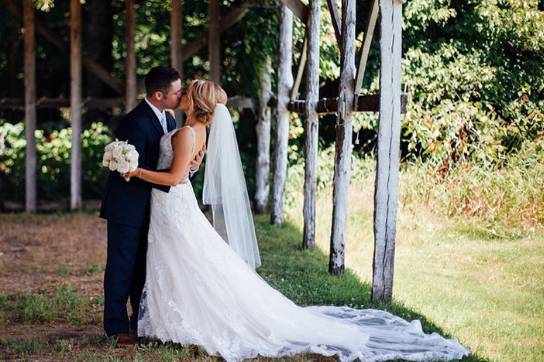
[124, 276]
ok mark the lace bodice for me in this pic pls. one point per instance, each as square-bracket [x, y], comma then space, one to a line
[166, 152]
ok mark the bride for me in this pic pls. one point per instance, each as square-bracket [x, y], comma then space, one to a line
[200, 290]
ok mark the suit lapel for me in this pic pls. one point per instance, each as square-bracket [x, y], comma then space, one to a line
[153, 117]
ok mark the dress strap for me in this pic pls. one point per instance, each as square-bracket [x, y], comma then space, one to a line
[194, 138]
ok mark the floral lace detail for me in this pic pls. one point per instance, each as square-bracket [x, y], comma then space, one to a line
[199, 291]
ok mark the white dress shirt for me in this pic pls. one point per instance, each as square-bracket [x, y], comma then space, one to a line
[160, 115]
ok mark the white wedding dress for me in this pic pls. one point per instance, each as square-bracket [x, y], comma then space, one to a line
[199, 291]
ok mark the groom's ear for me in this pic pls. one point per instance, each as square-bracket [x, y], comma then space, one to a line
[158, 95]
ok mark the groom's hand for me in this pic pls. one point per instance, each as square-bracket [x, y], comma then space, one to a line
[195, 163]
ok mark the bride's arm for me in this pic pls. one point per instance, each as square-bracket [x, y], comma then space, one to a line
[181, 146]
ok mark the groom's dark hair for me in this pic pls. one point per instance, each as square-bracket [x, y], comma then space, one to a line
[160, 78]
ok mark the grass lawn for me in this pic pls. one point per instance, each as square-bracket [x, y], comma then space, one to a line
[459, 279]
[477, 285]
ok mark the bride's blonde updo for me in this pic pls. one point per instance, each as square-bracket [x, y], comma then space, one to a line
[202, 96]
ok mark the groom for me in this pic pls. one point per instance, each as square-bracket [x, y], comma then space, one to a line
[126, 204]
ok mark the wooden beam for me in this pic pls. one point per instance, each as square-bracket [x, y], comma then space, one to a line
[366, 103]
[344, 133]
[214, 41]
[311, 125]
[335, 18]
[109, 103]
[55, 103]
[75, 103]
[285, 82]
[388, 156]
[263, 138]
[30, 106]
[131, 88]
[301, 66]
[298, 8]
[365, 48]
[95, 68]
[231, 18]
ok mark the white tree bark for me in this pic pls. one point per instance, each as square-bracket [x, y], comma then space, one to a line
[342, 159]
[263, 138]
[311, 126]
[30, 106]
[214, 40]
[131, 88]
[285, 82]
[385, 197]
[75, 103]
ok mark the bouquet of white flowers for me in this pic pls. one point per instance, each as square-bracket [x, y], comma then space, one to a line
[120, 156]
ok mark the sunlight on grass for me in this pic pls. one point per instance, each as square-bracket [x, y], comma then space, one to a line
[486, 290]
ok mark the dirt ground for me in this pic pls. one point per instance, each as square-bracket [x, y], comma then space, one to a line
[42, 254]
[50, 251]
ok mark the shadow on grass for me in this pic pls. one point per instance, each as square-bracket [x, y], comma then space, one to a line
[303, 276]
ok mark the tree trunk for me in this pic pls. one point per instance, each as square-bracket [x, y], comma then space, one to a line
[263, 138]
[131, 92]
[311, 126]
[30, 106]
[75, 103]
[285, 82]
[342, 159]
[387, 173]
[214, 40]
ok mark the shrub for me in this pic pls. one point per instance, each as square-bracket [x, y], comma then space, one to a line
[53, 157]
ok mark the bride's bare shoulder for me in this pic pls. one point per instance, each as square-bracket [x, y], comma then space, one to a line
[182, 135]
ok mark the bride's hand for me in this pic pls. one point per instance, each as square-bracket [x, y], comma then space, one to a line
[130, 174]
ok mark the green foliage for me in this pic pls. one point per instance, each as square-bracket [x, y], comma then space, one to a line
[473, 71]
[53, 153]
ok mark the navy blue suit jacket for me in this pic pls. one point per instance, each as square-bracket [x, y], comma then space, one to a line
[128, 203]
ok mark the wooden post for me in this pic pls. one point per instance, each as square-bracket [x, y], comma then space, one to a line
[30, 106]
[130, 62]
[176, 31]
[75, 103]
[342, 159]
[285, 82]
[311, 126]
[214, 40]
[387, 173]
[263, 138]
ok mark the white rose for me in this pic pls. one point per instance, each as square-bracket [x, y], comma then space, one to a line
[123, 167]
[113, 165]
[133, 165]
[117, 153]
[133, 156]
